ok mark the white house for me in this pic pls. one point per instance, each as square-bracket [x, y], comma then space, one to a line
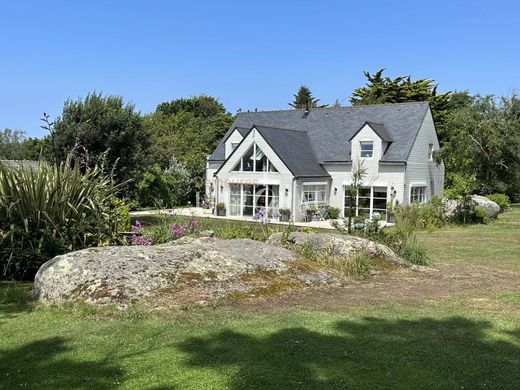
[296, 159]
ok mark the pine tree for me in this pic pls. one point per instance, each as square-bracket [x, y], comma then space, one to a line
[304, 99]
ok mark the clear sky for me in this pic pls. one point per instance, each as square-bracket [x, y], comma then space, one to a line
[248, 54]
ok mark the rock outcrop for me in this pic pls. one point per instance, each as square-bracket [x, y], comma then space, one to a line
[492, 209]
[336, 244]
[187, 270]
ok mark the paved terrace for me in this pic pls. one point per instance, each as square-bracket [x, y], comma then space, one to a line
[200, 212]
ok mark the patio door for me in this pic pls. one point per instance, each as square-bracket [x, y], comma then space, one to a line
[245, 200]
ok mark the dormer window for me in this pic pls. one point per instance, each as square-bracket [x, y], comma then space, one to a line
[367, 149]
[430, 152]
[234, 145]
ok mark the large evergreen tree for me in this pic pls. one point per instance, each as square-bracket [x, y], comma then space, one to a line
[304, 99]
[380, 89]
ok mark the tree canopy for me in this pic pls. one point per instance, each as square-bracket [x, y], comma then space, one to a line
[380, 89]
[101, 129]
[304, 99]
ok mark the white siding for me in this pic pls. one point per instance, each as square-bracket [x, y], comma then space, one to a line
[419, 170]
[234, 138]
[283, 177]
[371, 164]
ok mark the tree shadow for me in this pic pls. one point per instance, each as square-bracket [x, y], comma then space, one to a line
[47, 363]
[374, 353]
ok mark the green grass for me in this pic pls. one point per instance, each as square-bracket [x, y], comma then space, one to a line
[497, 243]
[469, 340]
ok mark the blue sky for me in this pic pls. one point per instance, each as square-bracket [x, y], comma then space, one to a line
[249, 54]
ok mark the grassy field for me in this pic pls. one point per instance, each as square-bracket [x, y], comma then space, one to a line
[465, 340]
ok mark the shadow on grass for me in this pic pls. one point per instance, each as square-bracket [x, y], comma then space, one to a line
[47, 364]
[374, 353]
[15, 298]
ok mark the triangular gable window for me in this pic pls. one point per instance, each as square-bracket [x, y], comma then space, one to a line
[254, 160]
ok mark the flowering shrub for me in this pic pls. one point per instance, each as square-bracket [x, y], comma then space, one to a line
[175, 231]
[179, 230]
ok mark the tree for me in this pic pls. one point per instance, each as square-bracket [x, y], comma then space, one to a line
[304, 99]
[402, 89]
[165, 188]
[484, 141]
[201, 106]
[14, 145]
[101, 130]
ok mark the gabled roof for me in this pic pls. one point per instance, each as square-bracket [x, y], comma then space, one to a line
[330, 129]
[378, 128]
[294, 149]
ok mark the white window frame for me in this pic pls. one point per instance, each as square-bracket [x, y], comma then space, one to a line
[268, 187]
[418, 194]
[371, 201]
[316, 189]
[366, 142]
[240, 163]
[430, 152]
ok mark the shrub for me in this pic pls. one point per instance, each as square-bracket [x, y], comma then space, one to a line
[500, 199]
[333, 212]
[165, 231]
[221, 206]
[51, 210]
[415, 253]
[480, 215]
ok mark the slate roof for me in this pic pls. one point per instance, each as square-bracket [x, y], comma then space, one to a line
[294, 149]
[329, 130]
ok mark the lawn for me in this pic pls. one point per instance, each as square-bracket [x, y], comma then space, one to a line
[469, 340]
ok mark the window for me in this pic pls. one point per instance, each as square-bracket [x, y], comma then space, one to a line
[314, 194]
[367, 148]
[367, 201]
[430, 152]
[248, 199]
[254, 160]
[418, 195]
[234, 145]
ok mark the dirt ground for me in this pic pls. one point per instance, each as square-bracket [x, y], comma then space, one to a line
[413, 285]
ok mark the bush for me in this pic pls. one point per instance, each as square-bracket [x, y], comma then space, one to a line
[415, 253]
[52, 210]
[502, 200]
[168, 229]
[480, 215]
[333, 212]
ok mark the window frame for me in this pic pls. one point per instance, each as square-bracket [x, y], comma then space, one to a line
[418, 194]
[316, 192]
[431, 149]
[269, 167]
[361, 151]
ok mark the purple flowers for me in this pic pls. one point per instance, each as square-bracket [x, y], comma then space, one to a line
[179, 230]
[176, 231]
[141, 240]
[371, 251]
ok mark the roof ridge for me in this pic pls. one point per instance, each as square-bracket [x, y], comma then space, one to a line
[335, 108]
[279, 128]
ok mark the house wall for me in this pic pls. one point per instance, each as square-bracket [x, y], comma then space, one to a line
[371, 164]
[283, 178]
[211, 168]
[235, 137]
[421, 171]
[381, 175]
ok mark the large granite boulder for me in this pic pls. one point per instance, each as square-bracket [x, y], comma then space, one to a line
[492, 209]
[336, 244]
[187, 270]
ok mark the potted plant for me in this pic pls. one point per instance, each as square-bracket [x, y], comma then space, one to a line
[311, 213]
[285, 215]
[333, 212]
[221, 209]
